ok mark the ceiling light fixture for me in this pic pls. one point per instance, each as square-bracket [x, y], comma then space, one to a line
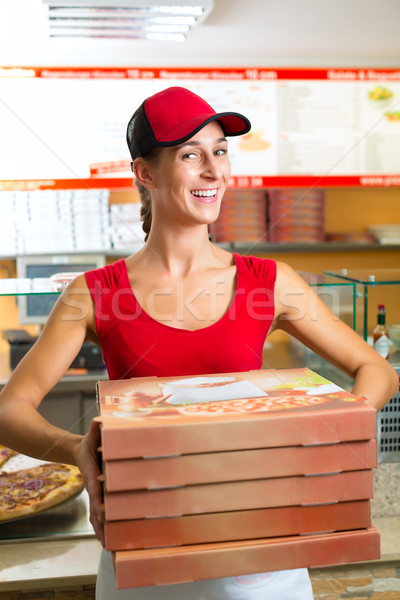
[129, 19]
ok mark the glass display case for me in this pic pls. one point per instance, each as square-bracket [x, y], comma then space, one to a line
[338, 295]
[373, 287]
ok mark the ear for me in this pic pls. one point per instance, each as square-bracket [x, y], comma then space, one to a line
[143, 173]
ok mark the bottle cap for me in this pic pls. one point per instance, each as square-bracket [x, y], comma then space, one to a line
[381, 307]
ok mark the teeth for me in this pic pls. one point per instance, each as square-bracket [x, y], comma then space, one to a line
[204, 193]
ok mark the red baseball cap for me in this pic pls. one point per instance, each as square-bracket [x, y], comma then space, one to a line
[174, 115]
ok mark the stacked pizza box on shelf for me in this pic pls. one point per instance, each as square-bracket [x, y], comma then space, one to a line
[242, 217]
[296, 216]
[233, 474]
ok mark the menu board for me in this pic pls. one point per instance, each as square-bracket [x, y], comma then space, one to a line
[64, 128]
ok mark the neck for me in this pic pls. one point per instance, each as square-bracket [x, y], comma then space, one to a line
[180, 252]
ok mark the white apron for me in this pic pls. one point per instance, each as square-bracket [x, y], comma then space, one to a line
[278, 585]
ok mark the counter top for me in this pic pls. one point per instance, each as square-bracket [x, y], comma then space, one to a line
[41, 564]
[36, 564]
[389, 528]
[85, 382]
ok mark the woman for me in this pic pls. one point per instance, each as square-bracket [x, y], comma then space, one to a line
[179, 306]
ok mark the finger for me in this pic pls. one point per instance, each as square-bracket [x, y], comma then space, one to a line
[97, 521]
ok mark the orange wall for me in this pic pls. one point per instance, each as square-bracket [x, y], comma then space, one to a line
[354, 209]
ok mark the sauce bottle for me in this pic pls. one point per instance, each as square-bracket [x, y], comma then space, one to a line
[381, 333]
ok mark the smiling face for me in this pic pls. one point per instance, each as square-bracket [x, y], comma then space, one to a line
[187, 181]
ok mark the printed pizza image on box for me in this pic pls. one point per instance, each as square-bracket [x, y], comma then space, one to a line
[145, 417]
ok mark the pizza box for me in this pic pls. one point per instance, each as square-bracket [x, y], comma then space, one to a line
[238, 495]
[236, 525]
[151, 417]
[160, 566]
[259, 463]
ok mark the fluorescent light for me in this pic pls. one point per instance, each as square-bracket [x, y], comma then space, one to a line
[167, 29]
[196, 11]
[55, 12]
[173, 21]
[165, 37]
[98, 33]
[79, 25]
[130, 16]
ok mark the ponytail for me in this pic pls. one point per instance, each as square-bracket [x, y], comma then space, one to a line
[146, 212]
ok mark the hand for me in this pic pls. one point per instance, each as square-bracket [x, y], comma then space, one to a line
[87, 461]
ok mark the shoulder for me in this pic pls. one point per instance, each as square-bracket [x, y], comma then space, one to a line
[76, 292]
[264, 269]
[105, 277]
[74, 304]
[286, 275]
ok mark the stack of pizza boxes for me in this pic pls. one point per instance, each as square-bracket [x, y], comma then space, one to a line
[243, 217]
[233, 474]
[296, 215]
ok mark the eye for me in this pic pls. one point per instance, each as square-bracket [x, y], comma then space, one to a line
[190, 156]
[221, 151]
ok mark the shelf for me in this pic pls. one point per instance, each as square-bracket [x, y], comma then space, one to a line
[367, 276]
[248, 247]
[42, 286]
[24, 287]
[303, 247]
[325, 280]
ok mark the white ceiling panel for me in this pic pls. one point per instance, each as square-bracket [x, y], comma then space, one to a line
[237, 32]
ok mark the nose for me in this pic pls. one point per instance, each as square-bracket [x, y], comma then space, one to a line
[212, 167]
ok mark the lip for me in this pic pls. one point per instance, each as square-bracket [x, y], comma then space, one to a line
[206, 199]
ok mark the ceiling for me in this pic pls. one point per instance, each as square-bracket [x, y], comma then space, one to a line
[346, 33]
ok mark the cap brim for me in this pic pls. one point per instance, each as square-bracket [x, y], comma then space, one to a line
[232, 124]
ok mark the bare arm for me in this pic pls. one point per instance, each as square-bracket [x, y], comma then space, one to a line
[21, 426]
[301, 313]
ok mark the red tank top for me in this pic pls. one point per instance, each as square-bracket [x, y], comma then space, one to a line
[136, 345]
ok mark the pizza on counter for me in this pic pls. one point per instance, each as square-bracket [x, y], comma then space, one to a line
[26, 492]
[5, 454]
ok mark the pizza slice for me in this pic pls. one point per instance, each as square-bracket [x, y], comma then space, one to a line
[5, 454]
[26, 492]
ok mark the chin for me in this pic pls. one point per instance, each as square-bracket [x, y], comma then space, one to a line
[210, 218]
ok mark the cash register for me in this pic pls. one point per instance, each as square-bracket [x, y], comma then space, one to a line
[20, 341]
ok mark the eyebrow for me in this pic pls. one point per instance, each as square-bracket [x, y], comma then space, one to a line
[195, 143]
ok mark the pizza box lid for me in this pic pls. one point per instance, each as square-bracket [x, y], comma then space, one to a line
[230, 411]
